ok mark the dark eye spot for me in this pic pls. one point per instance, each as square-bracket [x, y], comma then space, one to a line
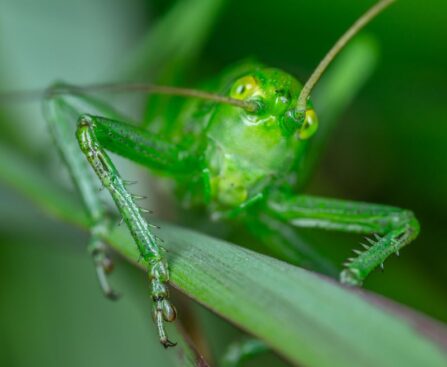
[241, 89]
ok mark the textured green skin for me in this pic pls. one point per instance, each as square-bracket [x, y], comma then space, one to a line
[236, 164]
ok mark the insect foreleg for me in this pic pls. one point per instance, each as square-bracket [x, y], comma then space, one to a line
[146, 241]
[393, 228]
[95, 135]
[60, 117]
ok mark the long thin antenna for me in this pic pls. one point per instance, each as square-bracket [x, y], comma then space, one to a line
[24, 96]
[333, 52]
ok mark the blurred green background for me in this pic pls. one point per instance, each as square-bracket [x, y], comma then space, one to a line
[389, 147]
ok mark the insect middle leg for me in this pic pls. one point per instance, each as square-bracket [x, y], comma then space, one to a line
[95, 134]
[392, 228]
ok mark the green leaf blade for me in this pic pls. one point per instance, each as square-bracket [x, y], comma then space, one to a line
[305, 317]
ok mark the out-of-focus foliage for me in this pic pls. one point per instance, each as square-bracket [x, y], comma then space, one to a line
[389, 147]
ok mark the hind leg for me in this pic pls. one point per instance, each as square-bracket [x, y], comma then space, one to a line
[392, 228]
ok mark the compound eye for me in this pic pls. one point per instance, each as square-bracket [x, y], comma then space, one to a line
[244, 88]
[310, 125]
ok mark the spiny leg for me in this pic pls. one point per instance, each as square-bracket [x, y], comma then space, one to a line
[61, 117]
[62, 112]
[92, 133]
[393, 228]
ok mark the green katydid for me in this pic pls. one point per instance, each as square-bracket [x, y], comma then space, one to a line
[235, 151]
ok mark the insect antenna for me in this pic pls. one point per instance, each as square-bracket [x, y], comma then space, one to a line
[30, 95]
[335, 50]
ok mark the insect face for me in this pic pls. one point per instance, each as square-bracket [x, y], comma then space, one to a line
[276, 94]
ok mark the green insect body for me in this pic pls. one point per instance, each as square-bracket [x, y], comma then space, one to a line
[244, 153]
[248, 152]
[236, 154]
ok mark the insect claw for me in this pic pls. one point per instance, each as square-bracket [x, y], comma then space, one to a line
[167, 343]
[112, 295]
